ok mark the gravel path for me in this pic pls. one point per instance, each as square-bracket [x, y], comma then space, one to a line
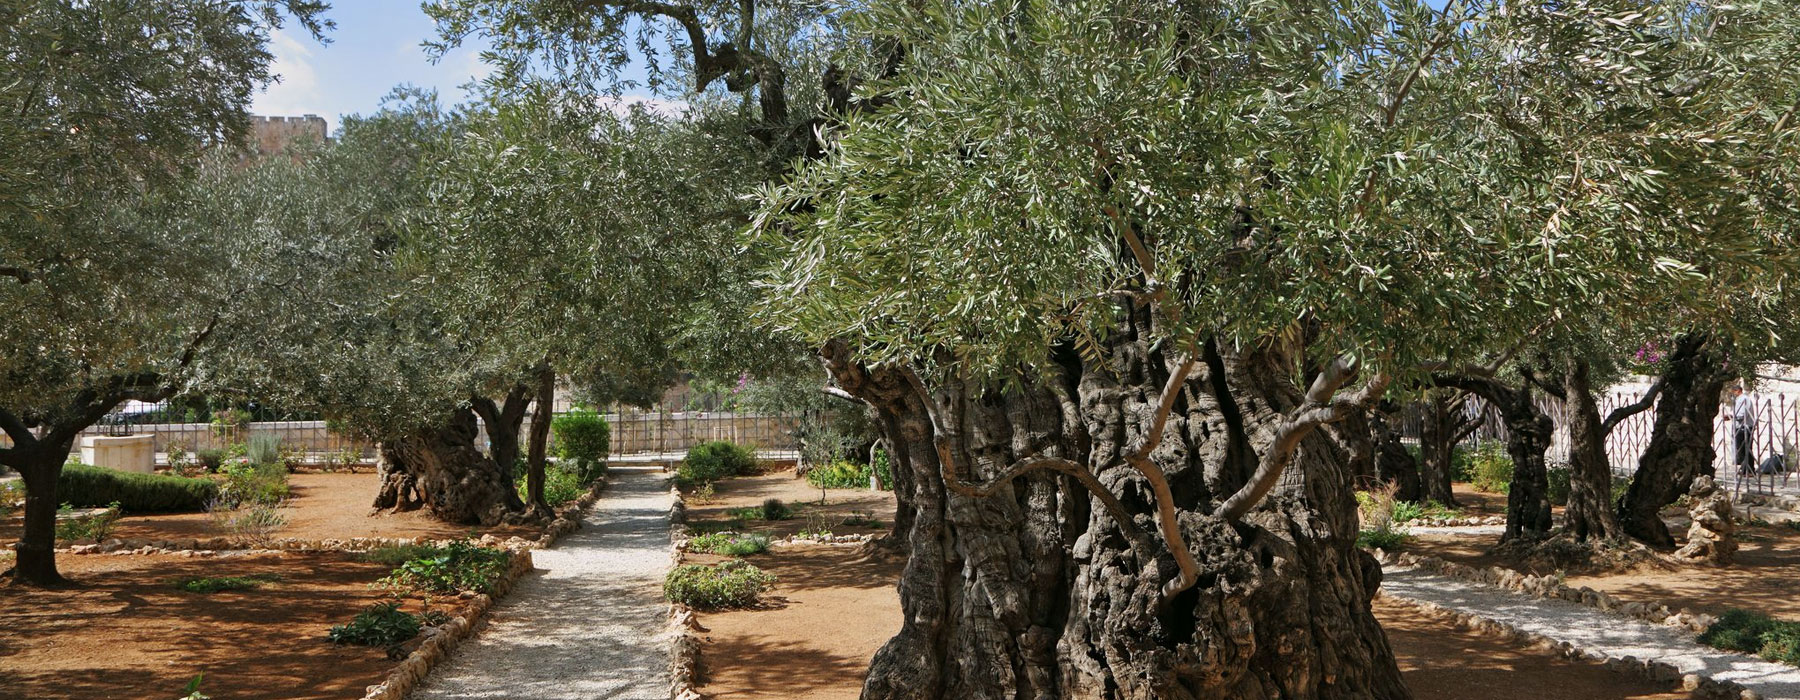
[590, 623]
[1595, 631]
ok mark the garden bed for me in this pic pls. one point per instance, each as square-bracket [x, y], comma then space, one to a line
[128, 632]
[738, 493]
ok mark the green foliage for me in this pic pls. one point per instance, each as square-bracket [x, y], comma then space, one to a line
[90, 528]
[1620, 485]
[1376, 514]
[12, 497]
[1490, 469]
[816, 526]
[192, 689]
[91, 487]
[214, 584]
[1755, 633]
[458, 566]
[562, 482]
[253, 483]
[182, 463]
[395, 555]
[712, 461]
[730, 543]
[1381, 539]
[839, 475]
[731, 584]
[883, 465]
[1408, 511]
[212, 458]
[265, 450]
[583, 439]
[253, 520]
[382, 625]
[773, 509]
[1557, 477]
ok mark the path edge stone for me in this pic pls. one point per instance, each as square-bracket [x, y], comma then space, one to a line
[1551, 587]
[684, 647]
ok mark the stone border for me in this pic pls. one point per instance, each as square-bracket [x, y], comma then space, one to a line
[1551, 587]
[684, 648]
[441, 640]
[1458, 521]
[1696, 685]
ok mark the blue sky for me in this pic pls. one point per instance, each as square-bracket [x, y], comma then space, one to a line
[375, 47]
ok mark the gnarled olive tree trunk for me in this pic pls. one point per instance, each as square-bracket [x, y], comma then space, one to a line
[1681, 443]
[1394, 464]
[442, 470]
[1441, 429]
[1041, 590]
[1528, 435]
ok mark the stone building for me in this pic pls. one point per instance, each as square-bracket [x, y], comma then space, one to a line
[271, 134]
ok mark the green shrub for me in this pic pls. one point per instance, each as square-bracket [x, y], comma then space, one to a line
[561, 484]
[583, 439]
[251, 483]
[90, 487]
[212, 584]
[1557, 478]
[882, 464]
[212, 458]
[382, 625]
[839, 475]
[713, 461]
[1408, 511]
[772, 509]
[399, 554]
[1755, 633]
[264, 450]
[89, 528]
[731, 584]
[1491, 469]
[1620, 484]
[730, 544]
[459, 566]
[256, 521]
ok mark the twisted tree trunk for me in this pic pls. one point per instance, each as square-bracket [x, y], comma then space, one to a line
[1528, 434]
[1394, 464]
[446, 473]
[1041, 590]
[1438, 437]
[502, 421]
[1681, 442]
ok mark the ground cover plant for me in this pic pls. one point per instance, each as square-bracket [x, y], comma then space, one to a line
[840, 474]
[771, 510]
[382, 625]
[94, 527]
[1756, 633]
[460, 565]
[730, 543]
[731, 584]
[215, 584]
[563, 483]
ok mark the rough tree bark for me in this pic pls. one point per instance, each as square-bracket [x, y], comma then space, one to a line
[502, 421]
[1038, 590]
[1528, 434]
[1589, 513]
[540, 442]
[444, 471]
[40, 466]
[1680, 445]
[1444, 426]
[905, 428]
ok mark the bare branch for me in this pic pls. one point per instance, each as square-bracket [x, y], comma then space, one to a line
[840, 393]
[1621, 413]
[1319, 408]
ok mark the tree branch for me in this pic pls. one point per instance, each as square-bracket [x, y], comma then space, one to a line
[15, 429]
[1319, 408]
[1166, 516]
[1621, 413]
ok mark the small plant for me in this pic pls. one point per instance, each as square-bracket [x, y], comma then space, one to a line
[382, 625]
[861, 518]
[230, 423]
[1375, 512]
[773, 509]
[399, 554]
[583, 440]
[211, 458]
[459, 566]
[193, 689]
[1557, 480]
[882, 464]
[1408, 511]
[1381, 539]
[265, 451]
[183, 463]
[12, 497]
[731, 584]
[730, 544]
[255, 521]
[561, 484]
[250, 483]
[816, 526]
[88, 528]
[712, 461]
[704, 494]
[214, 584]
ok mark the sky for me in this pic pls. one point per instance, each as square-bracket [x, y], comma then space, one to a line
[376, 46]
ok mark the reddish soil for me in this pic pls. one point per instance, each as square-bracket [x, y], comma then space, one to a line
[1442, 662]
[801, 497]
[127, 632]
[1768, 564]
[321, 506]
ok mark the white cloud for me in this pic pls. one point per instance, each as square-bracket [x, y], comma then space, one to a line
[296, 91]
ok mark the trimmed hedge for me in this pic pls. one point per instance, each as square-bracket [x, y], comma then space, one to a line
[716, 460]
[83, 486]
[583, 439]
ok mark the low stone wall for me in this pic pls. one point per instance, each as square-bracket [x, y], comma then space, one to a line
[1551, 587]
[1697, 686]
[1459, 521]
[684, 647]
[439, 641]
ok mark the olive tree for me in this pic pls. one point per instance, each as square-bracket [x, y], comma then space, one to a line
[1114, 264]
[122, 278]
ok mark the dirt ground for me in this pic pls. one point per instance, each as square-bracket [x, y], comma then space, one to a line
[127, 632]
[803, 498]
[834, 606]
[321, 506]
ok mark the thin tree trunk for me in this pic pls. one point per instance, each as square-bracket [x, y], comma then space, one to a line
[1528, 434]
[1681, 442]
[1038, 591]
[1589, 513]
[540, 441]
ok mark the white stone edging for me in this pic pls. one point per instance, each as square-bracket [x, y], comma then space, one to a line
[1551, 587]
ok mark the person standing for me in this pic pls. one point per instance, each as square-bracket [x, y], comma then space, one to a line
[1743, 430]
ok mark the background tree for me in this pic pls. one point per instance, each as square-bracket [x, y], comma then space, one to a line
[120, 282]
